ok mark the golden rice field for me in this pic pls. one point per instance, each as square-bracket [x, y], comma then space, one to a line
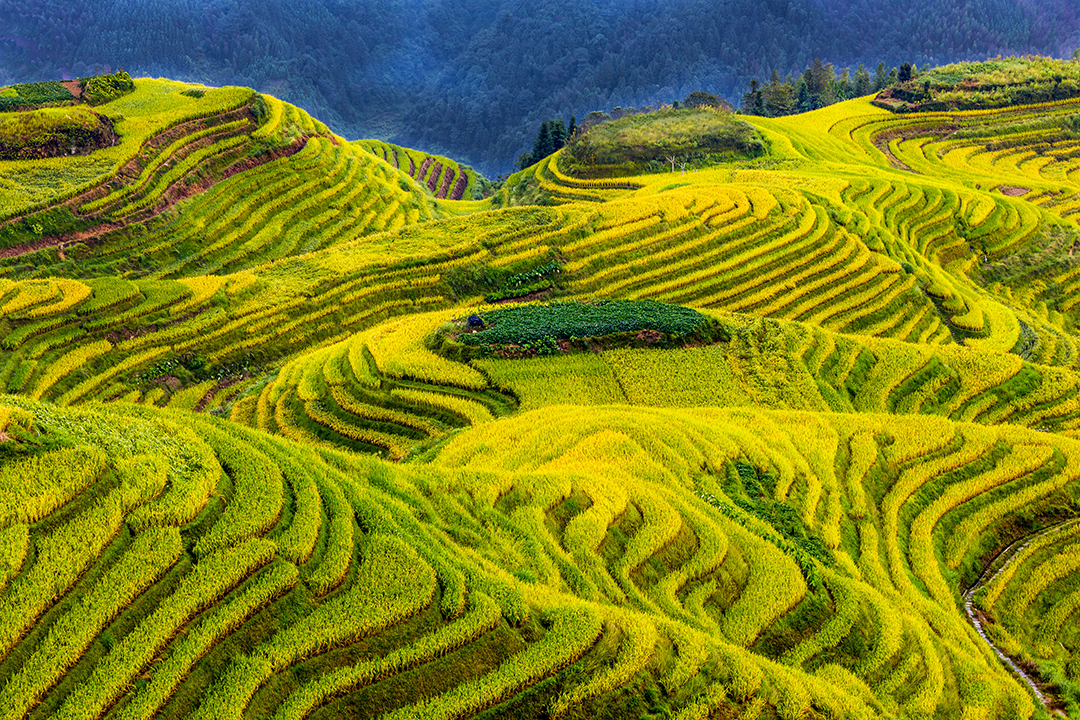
[249, 470]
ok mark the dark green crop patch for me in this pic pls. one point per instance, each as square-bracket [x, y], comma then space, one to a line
[106, 88]
[523, 324]
[33, 94]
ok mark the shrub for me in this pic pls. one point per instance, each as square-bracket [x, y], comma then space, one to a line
[106, 88]
[49, 132]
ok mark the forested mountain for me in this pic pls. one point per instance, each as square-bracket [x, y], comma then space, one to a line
[475, 78]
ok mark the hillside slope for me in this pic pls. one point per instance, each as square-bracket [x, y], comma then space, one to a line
[474, 79]
[672, 548]
[259, 456]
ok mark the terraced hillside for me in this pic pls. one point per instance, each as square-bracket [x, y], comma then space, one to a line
[675, 547]
[442, 176]
[289, 432]
[182, 185]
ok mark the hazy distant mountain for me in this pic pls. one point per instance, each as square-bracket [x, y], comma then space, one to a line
[474, 78]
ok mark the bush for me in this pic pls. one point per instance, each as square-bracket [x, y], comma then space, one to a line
[1001, 82]
[49, 132]
[105, 88]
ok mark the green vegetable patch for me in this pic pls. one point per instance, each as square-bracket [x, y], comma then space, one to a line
[550, 328]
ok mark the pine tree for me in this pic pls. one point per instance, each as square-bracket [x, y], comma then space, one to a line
[821, 75]
[752, 102]
[803, 94]
[542, 144]
[558, 134]
[880, 78]
[779, 96]
[863, 85]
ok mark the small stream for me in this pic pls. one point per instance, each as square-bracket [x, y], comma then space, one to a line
[1002, 561]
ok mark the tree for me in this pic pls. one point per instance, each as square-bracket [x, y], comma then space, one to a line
[558, 134]
[816, 87]
[753, 102]
[905, 72]
[863, 84]
[821, 76]
[880, 78]
[803, 92]
[779, 97]
[843, 87]
[700, 98]
[552, 137]
[542, 146]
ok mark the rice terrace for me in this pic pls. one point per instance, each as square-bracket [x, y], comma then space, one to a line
[703, 415]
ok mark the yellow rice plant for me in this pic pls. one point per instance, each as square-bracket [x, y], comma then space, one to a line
[641, 635]
[33, 487]
[14, 542]
[148, 557]
[1023, 459]
[216, 624]
[209, 579]
[61, 557]
[31, 293]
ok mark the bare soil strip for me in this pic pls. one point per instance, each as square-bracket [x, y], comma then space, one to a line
[1014, 190]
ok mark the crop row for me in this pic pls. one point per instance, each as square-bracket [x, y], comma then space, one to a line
[162, 158]
[152, 109]
[654, 552]
[444, 178]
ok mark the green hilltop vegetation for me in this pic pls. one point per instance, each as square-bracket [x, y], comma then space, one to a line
[995, 83]
[637, 143]
[784, 427]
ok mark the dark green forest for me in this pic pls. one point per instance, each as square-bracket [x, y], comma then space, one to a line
[474, 79]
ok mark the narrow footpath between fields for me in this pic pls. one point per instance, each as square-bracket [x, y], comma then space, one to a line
[996, 567]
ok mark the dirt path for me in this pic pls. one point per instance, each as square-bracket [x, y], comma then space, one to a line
[1006, 557]
[1014, 190]
[74, 88]
[893, 160]
[61, 241]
